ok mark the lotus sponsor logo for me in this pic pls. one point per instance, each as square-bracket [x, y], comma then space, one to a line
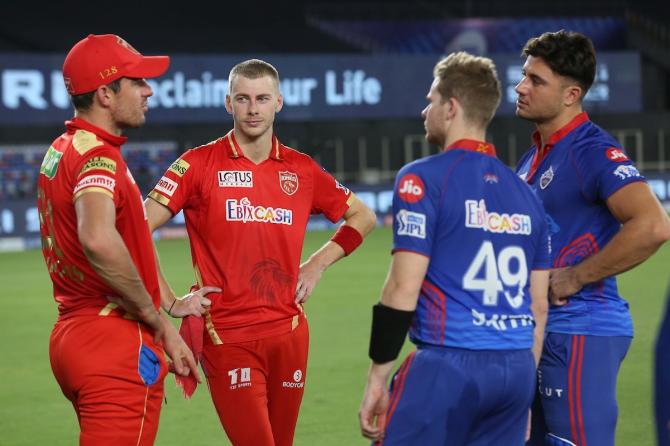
[235, 178]
[478, 217]
[167, 186]
[626, 171]
[412, 224]
[288, 182]
[246, 212]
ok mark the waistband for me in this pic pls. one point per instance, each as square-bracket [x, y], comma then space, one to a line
[254, 332]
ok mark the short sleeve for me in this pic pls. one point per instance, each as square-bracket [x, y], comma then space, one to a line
[99, 171]
[605, 169]
[176, 188]
[331, 198]
[414, 212]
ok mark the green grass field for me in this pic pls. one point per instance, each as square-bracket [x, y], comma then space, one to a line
[34, 412]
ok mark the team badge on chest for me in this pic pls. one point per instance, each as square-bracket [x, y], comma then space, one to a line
[288, 181]
[546, 177]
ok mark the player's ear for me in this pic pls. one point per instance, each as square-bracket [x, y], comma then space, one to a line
[571, 95]
[451, 105]
[229, 105]
[104, 96]
[280, 103]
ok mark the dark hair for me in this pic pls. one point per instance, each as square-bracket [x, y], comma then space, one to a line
[83, 102]
[473, 81]
[569, 54]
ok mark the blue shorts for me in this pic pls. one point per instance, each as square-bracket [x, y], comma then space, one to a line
[576, 398]
[451, 396]
[662, 378]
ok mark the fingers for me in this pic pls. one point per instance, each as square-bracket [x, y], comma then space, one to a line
[208, 289]
[191, 366]
[369, 428]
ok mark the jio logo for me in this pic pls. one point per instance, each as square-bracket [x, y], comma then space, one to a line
[411, 188]
[297, 375]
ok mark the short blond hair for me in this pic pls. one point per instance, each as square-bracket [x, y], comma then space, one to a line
[473, 81]
[253, 69]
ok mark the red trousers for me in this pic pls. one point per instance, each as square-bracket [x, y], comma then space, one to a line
[112, 372]
[257, 386]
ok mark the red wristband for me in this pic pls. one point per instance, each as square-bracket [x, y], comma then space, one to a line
[348, 238]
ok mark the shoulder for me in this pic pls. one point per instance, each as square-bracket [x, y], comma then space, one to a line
[291, 154]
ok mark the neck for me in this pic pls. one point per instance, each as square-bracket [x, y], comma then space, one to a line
[100, 119]
[456, 134]
[256, 149]
[551, 126]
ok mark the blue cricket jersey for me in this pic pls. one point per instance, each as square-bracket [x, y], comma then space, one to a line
[484, 231]
[583, 165]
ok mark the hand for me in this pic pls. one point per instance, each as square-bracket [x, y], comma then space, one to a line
[193, 304]
[372, 414]
[309, 275]
[153, 319]
[182, 361]
[563, 283]
[530, 417]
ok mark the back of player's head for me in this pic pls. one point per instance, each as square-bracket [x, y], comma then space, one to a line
[569, 54]
[473, 81]
[253, 69]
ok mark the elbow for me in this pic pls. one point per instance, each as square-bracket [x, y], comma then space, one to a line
[92, 242]
[370, 221]
[660, 231]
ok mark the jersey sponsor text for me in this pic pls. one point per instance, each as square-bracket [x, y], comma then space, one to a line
[236, 178]
[411, 188]
[167, 186]
[412, 224]
[478, 217]
[102, 181]
[245, 212]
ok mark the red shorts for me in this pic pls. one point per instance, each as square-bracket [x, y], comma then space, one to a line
[112, 372]
[257, 386]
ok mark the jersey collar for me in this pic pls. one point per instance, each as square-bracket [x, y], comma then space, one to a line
[474, 146]
[553, 140]
[81, 124]
[234, 150]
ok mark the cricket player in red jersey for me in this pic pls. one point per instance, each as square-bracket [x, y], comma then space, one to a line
[247, 199]
[106, 348]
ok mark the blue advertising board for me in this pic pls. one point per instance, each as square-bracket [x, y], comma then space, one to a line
[315, 87]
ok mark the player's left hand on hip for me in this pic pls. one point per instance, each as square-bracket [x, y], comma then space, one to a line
[563, 283]
[308, 277]
[195, 303]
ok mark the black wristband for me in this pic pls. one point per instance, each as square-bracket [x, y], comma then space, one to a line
[389, 328]
[171, 307]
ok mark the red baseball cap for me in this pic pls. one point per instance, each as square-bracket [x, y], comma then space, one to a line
[100, 59]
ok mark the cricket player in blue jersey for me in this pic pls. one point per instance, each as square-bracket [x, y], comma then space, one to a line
[603, 220]
[662, 380]
[468, 274]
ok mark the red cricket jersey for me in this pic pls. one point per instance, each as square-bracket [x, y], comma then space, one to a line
[87, 159]
[246, 223]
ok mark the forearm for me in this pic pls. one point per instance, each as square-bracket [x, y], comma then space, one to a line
[540, 317]
[632, 245]
[110, 258]
[379, 374]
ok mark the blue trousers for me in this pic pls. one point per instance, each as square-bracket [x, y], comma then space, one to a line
[458, 397]
[576, 396]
